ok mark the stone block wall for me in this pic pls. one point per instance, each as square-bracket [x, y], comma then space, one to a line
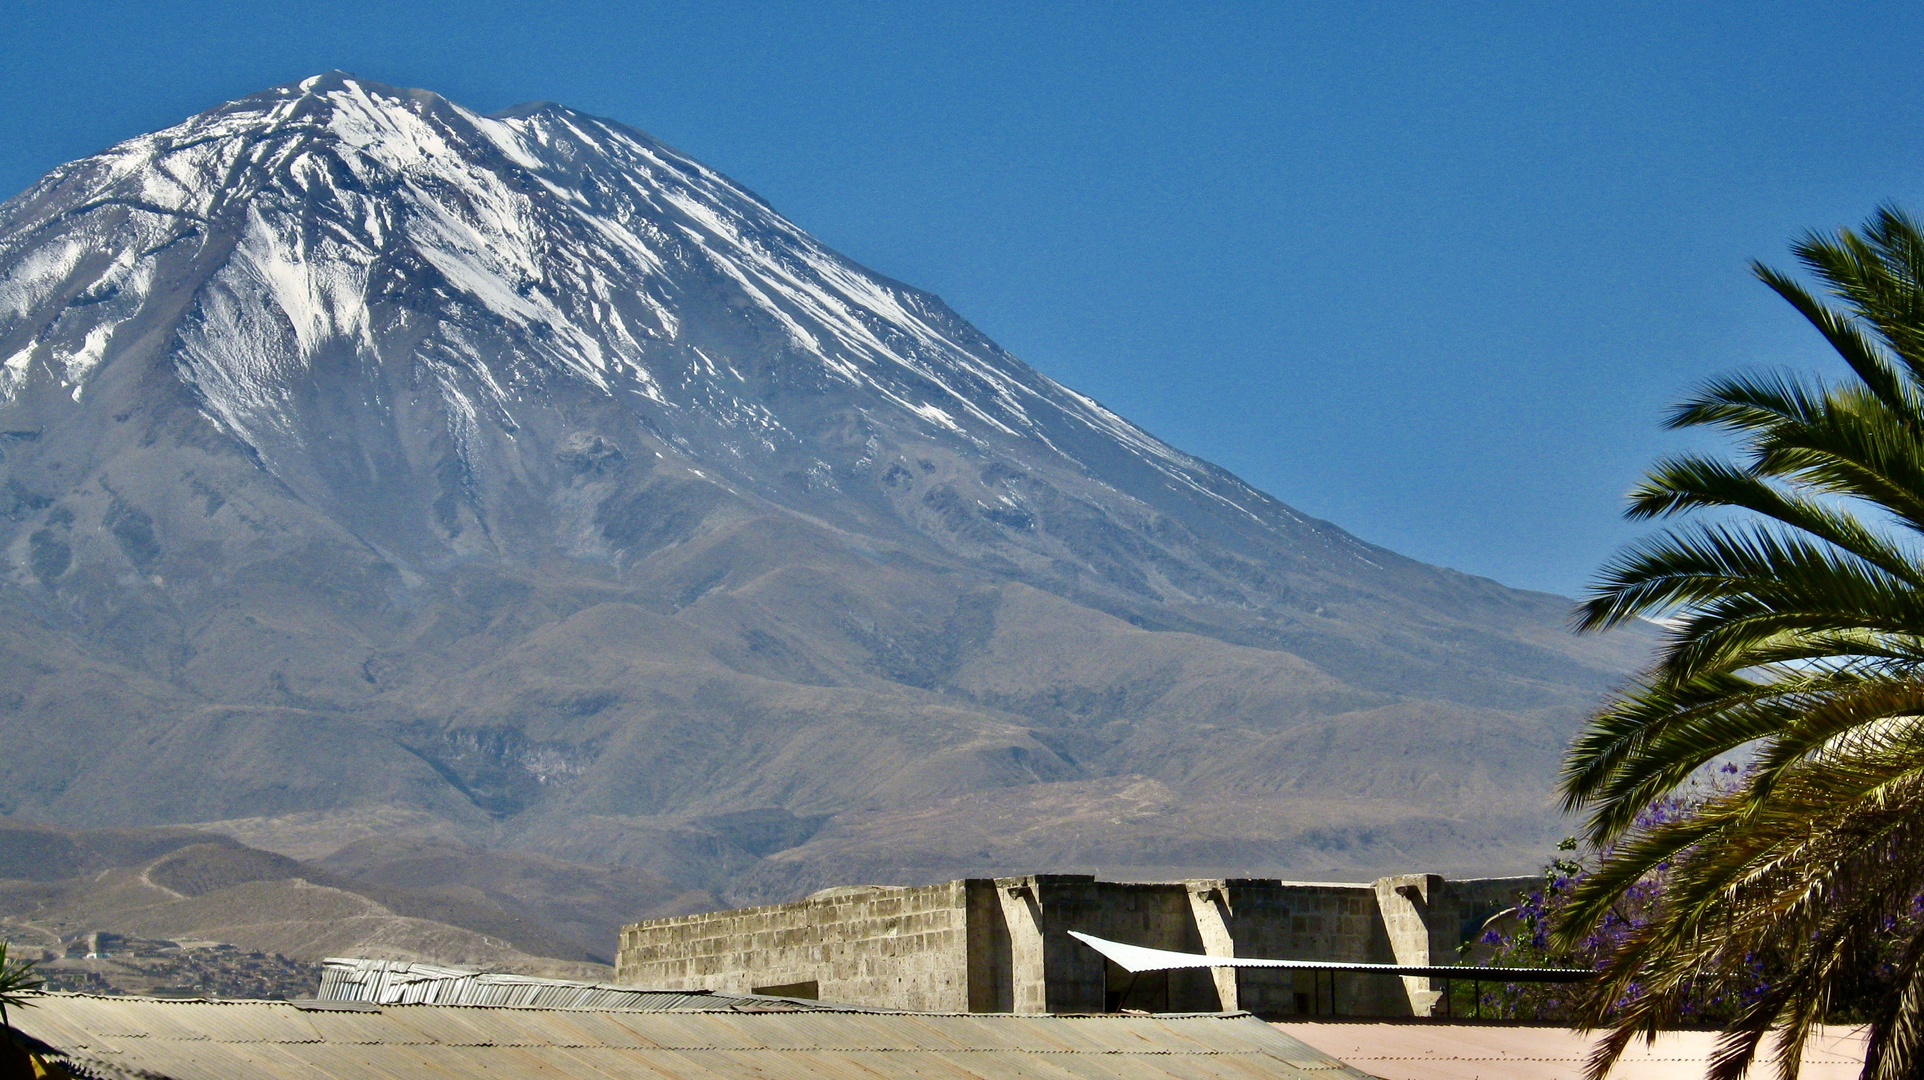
[900, 947]
[1003, 944]
[1299, 920]
[1474, 900]
[1077, 979]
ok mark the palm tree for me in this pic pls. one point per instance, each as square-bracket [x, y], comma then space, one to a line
[16, 978]
[1795, 644]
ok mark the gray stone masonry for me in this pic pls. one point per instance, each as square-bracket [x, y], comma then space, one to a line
[1003, 944]
[903, 947]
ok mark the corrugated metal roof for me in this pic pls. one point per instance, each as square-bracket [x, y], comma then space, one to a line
[190, 1040]
[394, 982]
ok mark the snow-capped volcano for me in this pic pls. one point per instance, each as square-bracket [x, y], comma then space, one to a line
[521, 469]
[334, 201]
[488, 261]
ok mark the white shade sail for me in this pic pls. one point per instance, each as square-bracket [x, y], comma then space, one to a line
[1137, 958]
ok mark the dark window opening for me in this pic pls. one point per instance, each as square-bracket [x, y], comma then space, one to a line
[810, 990]
[1144, 992]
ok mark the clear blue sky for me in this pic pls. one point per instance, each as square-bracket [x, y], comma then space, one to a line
[1428, 271]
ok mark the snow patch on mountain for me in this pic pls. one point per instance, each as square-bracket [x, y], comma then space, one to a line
[574, 233]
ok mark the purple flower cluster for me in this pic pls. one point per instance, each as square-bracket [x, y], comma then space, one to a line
[1520, 936]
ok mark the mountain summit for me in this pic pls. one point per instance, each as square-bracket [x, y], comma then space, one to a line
[523, 477]
[457, 294]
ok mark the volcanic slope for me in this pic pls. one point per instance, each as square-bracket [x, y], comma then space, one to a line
[498, 910]
[368, 459]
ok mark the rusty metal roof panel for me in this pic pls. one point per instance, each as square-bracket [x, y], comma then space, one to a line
[354, 1062]
[122, 1019]
[699, 1064]
[602, 1029]
[1097, 1034]
[226, 1022]
[177, 1057]
[700, 1030]
[707, 1065]
[994, 1036]
[819, 1065]
[1060, 1037]
[771, 1031]
[1177, 1035]
[872, 1065]
[559, 1028]
[348, 1028]
[108, 1017]
[536, 1027]
[1089, 1035]
[596, 1062]
[931, 1032]
[968, 1032]
[1126, 1067]
[269, 1059]
[491, 1026]
[464, 1062]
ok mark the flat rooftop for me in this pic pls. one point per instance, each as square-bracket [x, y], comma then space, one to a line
[1495, 1051]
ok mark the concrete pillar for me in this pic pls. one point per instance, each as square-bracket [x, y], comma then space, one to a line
[1403, 901]
[1209, 904]
[1022, 913]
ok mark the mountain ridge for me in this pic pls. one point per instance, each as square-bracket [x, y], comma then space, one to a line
[378, 897]
[363, 453]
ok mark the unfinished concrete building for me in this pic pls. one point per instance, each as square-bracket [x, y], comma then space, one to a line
[1003, 944]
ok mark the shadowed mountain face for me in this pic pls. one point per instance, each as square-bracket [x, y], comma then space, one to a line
[365, 460]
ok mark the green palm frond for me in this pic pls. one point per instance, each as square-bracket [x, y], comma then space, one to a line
[1795, 641]
[16, 980]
